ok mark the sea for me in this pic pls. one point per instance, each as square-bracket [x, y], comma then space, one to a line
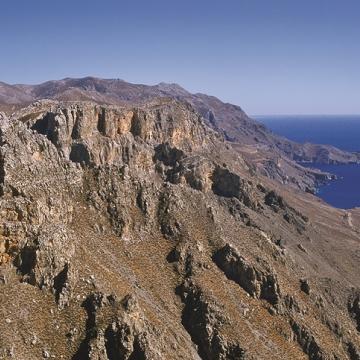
[341, 131]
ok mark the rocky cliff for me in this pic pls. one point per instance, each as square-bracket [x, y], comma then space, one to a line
[137, 232]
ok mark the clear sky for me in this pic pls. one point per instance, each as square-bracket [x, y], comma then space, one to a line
[268, 56]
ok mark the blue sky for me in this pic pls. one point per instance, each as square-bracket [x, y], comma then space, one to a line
[268, 56]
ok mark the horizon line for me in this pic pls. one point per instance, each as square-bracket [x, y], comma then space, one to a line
[307, 114]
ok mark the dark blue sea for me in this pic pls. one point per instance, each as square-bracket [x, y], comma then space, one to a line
[340, 131]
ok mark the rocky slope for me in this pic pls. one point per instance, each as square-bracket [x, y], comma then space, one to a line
[137, 232]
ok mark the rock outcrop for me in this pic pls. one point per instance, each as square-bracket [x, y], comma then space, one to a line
[203, 319]
[354, 308]
[257, 283]
[117, 330]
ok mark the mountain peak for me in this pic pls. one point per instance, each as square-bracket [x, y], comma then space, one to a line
[172, 87]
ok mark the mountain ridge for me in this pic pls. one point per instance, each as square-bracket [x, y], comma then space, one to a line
[270, 154]
[116, 90]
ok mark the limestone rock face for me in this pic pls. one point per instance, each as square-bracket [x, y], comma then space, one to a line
[137, 232]
[38, 188]
[97, 135]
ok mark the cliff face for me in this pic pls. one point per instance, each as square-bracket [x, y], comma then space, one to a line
[137, 232]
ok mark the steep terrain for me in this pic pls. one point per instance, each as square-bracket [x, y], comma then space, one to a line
[137, 232]
[272, 155]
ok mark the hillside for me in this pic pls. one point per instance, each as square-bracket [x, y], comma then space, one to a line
[136, 231]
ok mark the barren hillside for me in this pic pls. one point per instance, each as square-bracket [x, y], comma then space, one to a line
[136, 231]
